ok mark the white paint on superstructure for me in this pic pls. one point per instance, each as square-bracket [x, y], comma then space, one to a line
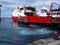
[18, 12]
[43, 14]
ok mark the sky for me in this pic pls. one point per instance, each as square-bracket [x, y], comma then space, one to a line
[9, 5]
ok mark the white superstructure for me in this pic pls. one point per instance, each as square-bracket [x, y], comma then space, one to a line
[43, 12]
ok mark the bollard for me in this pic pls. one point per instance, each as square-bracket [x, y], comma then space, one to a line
[56, 35]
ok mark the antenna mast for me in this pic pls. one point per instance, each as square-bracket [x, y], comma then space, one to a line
[44, 2]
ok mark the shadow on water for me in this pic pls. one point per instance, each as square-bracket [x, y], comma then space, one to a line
[13, 34]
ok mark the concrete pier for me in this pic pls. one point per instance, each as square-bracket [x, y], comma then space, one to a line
[49, 41]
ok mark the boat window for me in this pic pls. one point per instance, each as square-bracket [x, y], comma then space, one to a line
[54, 13]
[30, 8]
[55, 6]
[44, 11]
[21, 8]
[29, 13]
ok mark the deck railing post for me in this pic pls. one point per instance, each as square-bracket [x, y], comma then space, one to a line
[0, 12]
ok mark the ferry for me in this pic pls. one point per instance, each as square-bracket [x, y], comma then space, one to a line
[30, 15]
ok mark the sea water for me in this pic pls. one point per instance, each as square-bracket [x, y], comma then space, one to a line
[12, 33]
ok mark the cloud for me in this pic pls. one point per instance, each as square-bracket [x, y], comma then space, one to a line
[15, 3]
[40, 3]
[8, 5]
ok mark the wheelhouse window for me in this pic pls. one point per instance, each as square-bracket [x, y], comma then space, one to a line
[44, 11]
[21, 8]
[30, 8]
[54, 12]
[30, 11]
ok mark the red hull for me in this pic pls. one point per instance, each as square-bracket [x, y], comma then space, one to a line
[57, 19]
[37, 19]
[15, 19]
[34, 19]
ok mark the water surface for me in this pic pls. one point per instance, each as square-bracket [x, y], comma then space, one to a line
[13, 34]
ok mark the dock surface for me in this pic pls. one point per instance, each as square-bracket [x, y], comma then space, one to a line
[49, 41]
